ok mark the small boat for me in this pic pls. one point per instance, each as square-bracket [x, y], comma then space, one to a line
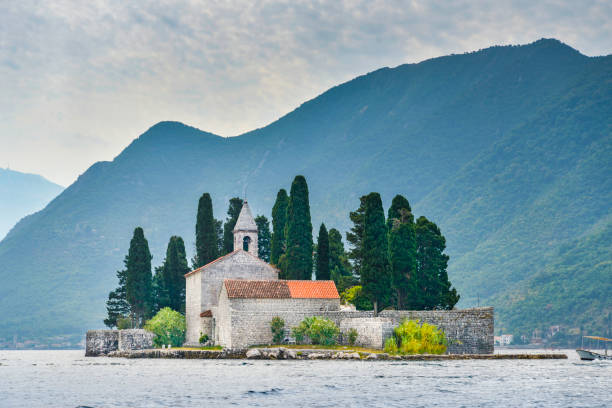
[589, 355]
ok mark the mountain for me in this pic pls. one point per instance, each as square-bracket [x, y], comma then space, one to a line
[22, 194]
[507, 149]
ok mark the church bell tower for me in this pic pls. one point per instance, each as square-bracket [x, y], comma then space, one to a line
[245, 231]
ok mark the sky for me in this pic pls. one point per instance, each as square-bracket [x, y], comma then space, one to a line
[80, 80]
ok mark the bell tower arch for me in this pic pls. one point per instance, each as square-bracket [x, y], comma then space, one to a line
[245, 231]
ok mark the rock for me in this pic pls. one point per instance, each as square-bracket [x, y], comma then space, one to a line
[354, 356]
[253, 353]
[372, 356]
[273, 354]
[316, 356]
[290, 354]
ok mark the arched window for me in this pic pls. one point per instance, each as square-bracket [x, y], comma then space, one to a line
[245, 243]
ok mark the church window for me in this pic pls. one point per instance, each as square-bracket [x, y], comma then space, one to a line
[245, 243]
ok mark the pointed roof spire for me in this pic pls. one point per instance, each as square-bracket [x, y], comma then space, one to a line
[245, 220]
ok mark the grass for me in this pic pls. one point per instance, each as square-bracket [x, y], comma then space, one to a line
[321, 347]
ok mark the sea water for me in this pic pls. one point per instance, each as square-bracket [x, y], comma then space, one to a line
[69, 379]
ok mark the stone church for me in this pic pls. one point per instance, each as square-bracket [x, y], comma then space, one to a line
[234, 298]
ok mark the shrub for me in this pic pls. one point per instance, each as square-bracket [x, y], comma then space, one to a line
[352, 336]
[412, 337]
[391, 346]
[124, 323]
[354, 295]
[277, 325]
[318, 329]
[203, 338]
[168, 326]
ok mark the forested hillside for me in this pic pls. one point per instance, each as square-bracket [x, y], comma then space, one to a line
[507, 149]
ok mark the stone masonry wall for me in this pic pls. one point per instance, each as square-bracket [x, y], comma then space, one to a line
[102, 342]
[371, 331]
[470, 331]
[246, 322]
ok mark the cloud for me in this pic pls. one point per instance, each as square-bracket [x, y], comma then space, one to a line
[107, 70]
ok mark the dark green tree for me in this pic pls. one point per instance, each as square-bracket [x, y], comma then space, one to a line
[338, 259]
[206, 233]
[279, 221]
[233, 211]
[219, 229]
[138, 282]
[322, 269]
[169, 279]
[355, 236]
[375, 269]
[299, 232]
[433, 287]
[117, 306]
[263, 238]
[402, 252]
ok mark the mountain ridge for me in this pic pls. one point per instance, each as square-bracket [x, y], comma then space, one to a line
[444, 132]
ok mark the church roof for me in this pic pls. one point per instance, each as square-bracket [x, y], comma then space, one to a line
[245, 220]
[280, 289]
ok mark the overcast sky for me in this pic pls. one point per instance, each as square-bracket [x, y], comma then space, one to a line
[80, 80]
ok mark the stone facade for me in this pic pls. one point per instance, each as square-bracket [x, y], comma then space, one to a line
[203, 286]
[371, 331]
[246, 322]
[102, 342]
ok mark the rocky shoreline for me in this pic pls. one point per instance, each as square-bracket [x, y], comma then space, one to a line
[282, 353]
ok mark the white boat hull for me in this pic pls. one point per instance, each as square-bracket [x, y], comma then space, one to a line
[590, 356]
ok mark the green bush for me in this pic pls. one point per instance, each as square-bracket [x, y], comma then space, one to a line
[277, 325]
[391, 346]
[352, 336]
[318, 329]
[354, 296]
[124, 323]
[412, 337]
[203, 338]
[168, 326]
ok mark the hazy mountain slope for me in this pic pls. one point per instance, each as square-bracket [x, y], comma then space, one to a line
[580, 274]
[444, 132]
[22, 194]
[545, 183]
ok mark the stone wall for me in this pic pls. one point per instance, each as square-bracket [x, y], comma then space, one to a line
[246, 322]
[102, 342]
[371, 331]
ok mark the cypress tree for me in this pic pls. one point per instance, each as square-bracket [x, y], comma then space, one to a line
[339, 265]
[169, 280]
[434, 289]
[117, 306]
[299, 232]
[206, 233]
[322, 271]
[279, 220]
[355, 236]
[402, 252]
[138, 278]
[375, 269]
[233, 211]
[263, 238]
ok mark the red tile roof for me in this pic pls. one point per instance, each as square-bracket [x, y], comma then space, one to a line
[280, 289]
[206, 313]
[303, 289]
[258, 289]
